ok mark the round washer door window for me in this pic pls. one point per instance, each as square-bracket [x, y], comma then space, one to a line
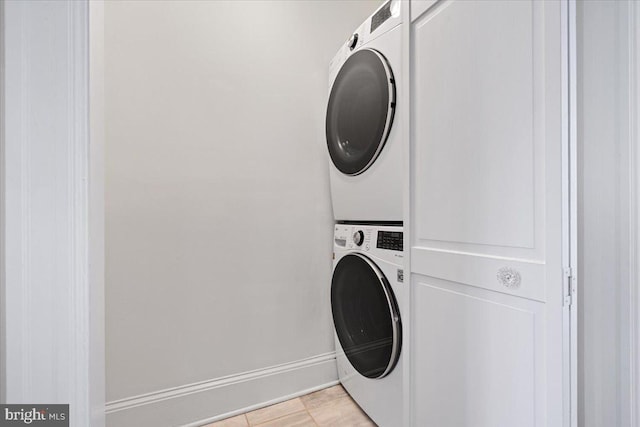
[360, 111]
[365, 315]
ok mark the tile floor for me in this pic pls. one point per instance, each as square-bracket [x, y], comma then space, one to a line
[329, 407]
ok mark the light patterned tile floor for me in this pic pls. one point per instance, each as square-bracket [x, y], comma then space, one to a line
[329, 407]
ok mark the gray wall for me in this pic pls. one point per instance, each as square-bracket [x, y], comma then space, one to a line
[605, 291]
[218, 217]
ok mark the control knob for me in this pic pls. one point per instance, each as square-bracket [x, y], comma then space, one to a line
[358, 238]
[353, 41]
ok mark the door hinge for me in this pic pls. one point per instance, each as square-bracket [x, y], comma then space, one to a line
[568, 295]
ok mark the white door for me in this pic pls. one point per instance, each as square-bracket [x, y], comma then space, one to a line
[487, 229]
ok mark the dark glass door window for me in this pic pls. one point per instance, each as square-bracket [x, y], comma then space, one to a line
[360, 111]
[365, 316]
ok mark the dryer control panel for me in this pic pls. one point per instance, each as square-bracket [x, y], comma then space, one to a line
[384, 19]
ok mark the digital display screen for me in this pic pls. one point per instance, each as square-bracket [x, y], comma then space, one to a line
[382, 15]
[391, 240]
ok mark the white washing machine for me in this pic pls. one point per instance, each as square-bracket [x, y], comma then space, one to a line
[366, 302]
[363, 123]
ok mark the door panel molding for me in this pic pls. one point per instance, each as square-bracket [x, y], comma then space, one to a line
[487, 185]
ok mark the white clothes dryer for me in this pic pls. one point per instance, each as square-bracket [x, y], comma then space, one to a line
[367, 301]
[363, 122]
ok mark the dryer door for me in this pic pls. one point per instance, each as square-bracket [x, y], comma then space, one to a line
[365, 315]
[360, 111]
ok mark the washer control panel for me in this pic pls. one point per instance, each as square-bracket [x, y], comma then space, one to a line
[354, 237]
[365, 238]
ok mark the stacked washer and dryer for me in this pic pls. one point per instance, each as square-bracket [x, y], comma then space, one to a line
[364, 140]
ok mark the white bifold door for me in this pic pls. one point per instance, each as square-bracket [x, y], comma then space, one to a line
[489, 221]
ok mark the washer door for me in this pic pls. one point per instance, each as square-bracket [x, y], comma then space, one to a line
[365, 315]
[360, 111]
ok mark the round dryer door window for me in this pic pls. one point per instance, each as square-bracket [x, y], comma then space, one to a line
[360, 111]
[365, 315]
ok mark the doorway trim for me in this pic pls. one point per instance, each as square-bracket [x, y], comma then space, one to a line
[634, 213]
[3, 378]
[52, 198]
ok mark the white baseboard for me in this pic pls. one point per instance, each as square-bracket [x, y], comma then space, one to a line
[208, 401]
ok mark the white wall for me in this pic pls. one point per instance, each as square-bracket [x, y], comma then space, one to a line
[604, 240]
[218, 215]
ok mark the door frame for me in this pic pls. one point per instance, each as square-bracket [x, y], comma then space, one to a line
[52, 199]
[3, 378]
[634, 214]
[570, 213]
